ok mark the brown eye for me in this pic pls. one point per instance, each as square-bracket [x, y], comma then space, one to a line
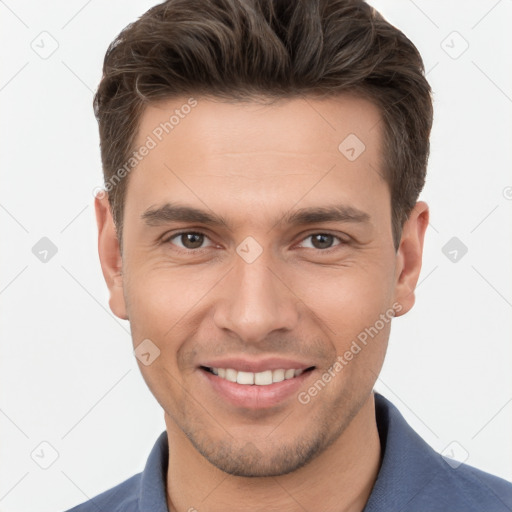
[188, 240]
[192, 240]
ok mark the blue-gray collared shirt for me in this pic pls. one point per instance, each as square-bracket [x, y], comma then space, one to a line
[412, 478]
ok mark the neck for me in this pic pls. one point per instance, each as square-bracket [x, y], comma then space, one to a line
[341, 478]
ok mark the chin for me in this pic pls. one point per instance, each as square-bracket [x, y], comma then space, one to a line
[248, 460]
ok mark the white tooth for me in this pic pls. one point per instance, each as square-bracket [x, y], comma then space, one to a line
[289, 374]
[231, 374]
[298, 372]
[277, 375]
[263, 378]
[221, 372]
[245, 378]
[215, 371]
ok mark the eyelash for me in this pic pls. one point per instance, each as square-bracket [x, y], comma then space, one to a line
[328, 250]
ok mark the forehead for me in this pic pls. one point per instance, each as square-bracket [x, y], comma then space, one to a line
[302, 124]
[208, 150]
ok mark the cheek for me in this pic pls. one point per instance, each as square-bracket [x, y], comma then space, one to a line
[347, 299]
[158, 305]
[158, 298]
[349, 303]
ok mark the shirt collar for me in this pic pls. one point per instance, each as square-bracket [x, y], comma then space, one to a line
[152, 497]
[408, 464]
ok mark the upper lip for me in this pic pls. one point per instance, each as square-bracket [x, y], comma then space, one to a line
[256, 365]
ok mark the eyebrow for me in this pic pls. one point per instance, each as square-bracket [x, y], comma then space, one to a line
[170, 212]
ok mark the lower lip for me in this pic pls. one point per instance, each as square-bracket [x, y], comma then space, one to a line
[254, 396]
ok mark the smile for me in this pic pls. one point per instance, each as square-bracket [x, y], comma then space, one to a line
[264, 378]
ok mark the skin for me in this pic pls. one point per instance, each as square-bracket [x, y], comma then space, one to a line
[253, 164]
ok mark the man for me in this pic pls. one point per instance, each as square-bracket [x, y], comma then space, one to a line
[260, 228]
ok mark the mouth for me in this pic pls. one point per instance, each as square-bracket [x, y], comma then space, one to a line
[269, 385]
[262, 378]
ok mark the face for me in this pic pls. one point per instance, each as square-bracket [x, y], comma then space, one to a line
[257, 255]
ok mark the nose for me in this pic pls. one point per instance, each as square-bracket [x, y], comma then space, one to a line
[256, 301]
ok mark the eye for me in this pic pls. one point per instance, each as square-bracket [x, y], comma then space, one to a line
[324, 241]
[189, 240]
[194, 240]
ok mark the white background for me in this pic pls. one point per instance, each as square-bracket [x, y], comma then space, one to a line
[68, 376]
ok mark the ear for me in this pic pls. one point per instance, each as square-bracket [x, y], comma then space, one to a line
[409, 256]
[110, 254]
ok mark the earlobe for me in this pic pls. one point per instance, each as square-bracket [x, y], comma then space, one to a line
[110, 255]
[409, 256]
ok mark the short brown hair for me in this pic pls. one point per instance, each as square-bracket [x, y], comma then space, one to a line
[248, 49]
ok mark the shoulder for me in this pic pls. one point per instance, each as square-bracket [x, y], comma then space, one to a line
[415, 478]
[143, 491]
[468, 488]
[121, 498]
